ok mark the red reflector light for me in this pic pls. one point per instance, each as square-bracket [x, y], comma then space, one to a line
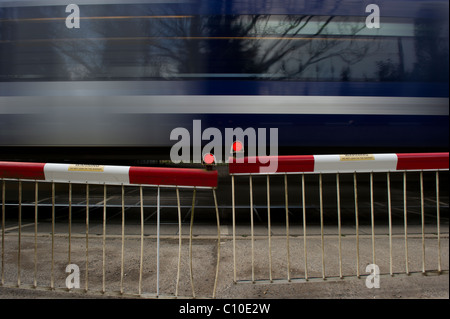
[237, 146]
[209, 159]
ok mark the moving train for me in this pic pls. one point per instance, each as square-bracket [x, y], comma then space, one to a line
[111, 80]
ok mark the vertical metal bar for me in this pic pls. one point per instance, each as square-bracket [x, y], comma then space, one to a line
[36, 191]
[422, 211]
[405, 222]
[158, 232]
[269, 227]
[372, 218]
[287, 228]
[104, 241]
[123, 241]
[87, 238]
[70, 223]
[321, 225]
[3, 230]
[438, 213]
[233, 207]
[20, 234]
[191, 274]
[251, 229]
[141, 262]
[355, 191]
[390, 222]
[218, 243]
[338, 195]
[179, 241]
[304, 226]
[52, 279]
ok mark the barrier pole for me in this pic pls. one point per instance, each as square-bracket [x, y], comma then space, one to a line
[36, 193]
[390, 222]
[141, 261]
[251, 229]
[158, 233]
[438, 212]
[19, 233]
[70, 222]
[179, 241]
[269, 230]
[218, 242]
[87, 237]
[405, 222]
[123, 241]
[191, 274]
[321, 226]
[372, 218]
[338, 195]
[3, 231]
[304, 226]
[287, 228]
[52, 279]
[233, 203]
[104, 241]
[355, 190]
[422, 211]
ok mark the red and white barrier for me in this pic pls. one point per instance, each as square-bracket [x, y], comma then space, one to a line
[348, 163]
[100, 174]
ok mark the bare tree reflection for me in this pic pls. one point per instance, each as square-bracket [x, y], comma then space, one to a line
[431, 45]
[137, 42]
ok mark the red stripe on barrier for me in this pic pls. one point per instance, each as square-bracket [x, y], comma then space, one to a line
[418, 161]
[22, 170]
[306, 163]
[285, 164]
[173, 176]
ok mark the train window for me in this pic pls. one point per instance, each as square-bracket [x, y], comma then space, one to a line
[128, 42]
[324, 48]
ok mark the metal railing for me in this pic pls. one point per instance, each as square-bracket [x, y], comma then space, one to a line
[315, 218]
[27, 186]
[313, 235]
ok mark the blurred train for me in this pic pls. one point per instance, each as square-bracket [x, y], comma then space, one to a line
[117, 86]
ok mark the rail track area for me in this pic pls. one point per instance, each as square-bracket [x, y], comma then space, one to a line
[78, 200]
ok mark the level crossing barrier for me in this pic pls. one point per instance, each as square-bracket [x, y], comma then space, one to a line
[323, 249]
[375, 190]
[30, 185]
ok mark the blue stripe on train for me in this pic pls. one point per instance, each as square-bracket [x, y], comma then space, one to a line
[394, 89]
[381, 131]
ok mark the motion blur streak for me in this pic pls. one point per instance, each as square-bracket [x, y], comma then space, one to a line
[135, 71]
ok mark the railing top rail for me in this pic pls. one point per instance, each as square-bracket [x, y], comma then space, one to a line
[109, 174]
[346, 163]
